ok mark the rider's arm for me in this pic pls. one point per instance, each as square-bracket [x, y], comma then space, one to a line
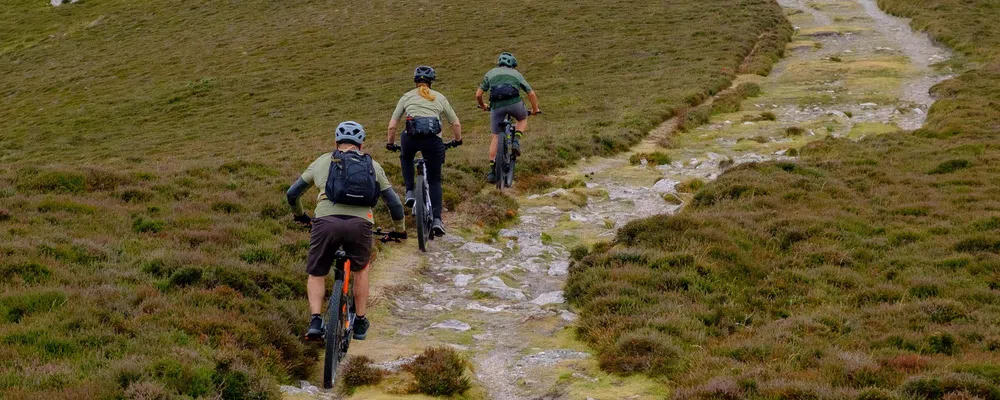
[391, 199]
[394, 121]
[479, 98]
[294, 196]
[532, 97]
[395, 209]
[534, 101]
[392, 130]
[449, 113]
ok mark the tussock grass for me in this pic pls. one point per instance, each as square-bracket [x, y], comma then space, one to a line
[866, 270]
[146, 146]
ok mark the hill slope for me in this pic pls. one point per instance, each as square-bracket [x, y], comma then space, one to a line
[146, 144]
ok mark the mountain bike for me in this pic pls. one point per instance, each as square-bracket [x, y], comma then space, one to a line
[340, 312]
[505, 160]
[423, 211]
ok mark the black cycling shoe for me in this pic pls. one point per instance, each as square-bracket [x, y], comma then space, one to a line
[360, 328]
[411, 199]
[492, 176]
[438, 227]
[515, 146]
[315, 331]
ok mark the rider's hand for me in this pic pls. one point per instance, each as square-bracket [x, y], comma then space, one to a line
[536, 111]
[391, 146]
[303, 219]
[484, 107]
[456, 143]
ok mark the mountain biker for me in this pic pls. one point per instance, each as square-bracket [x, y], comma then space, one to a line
[505, 84]
[422, 108]
[343, 218]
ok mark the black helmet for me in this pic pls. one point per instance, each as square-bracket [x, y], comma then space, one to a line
[506, 60]
[424, 74]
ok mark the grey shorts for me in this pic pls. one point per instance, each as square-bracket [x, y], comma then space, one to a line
[498, 115]
[331, 233]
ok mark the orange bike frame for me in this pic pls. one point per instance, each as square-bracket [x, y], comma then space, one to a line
[347, 284]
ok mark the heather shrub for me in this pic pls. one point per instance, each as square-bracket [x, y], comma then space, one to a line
[439, 371]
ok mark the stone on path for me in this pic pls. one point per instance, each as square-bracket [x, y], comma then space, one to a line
[559, 268]
[474, 306]
[452, 324]
[568, 316]
[665, 186]
[462, 280]
[495, 286]
[555, 297]
[474, 247]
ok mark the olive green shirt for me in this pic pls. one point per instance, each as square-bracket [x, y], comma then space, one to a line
[319, 171]
[500, 75]
[413, 105]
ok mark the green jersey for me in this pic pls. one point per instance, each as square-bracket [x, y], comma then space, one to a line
[501, 75]
[319, 171]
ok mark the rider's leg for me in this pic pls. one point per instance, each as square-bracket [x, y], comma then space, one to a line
[316, 289]
[360, 291]
[521, 125]
[406, 155]
[434, 153]
[494, 143]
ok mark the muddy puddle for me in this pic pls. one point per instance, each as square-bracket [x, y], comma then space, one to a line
[851, 71]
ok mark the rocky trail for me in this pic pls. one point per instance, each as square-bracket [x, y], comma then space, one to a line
[851, 71]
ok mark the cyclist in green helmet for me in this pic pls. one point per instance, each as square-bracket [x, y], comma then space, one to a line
[505, 84]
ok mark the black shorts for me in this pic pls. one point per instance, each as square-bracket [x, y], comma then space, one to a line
[331, 233]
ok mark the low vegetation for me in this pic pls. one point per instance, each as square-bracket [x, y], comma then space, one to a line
[867, 270]
[146, 147]
[439, 371]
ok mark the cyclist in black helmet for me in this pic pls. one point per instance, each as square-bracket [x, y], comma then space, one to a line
[505, 85]
[422, 108]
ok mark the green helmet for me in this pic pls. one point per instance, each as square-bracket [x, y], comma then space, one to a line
[506, 60]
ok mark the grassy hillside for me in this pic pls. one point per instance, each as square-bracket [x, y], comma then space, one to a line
[145, 146]
[866, 270]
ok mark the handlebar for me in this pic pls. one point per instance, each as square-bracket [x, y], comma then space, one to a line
[386, 237]
[487, 109]
[449, 145]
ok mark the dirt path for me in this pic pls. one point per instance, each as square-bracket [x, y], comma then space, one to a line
[851, 71]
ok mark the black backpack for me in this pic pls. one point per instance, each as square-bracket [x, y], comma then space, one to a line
[352, 179]
[503, 91]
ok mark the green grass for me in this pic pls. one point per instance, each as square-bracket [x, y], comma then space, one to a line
[868, 269]
[146, 146]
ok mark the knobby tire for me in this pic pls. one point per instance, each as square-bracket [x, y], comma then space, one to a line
[334, 335]
[420, 214]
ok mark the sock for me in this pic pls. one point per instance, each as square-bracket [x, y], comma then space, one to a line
[317, 316]
[518, 133]
[360, 317]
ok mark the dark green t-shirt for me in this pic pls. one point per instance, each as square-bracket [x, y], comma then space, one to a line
[502, 75]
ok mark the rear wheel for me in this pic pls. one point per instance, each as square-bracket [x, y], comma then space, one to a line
[421, 214]
[334, 335]
[510, 172]
[500, 163]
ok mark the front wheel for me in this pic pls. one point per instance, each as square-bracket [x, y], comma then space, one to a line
[421, 214]
[334, 335]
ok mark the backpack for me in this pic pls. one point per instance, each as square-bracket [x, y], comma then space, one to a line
[504, 91]
[352, 179]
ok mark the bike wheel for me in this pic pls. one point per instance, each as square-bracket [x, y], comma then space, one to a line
[420, 212]
[334, 335]
[500, 163]
[510, 172]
